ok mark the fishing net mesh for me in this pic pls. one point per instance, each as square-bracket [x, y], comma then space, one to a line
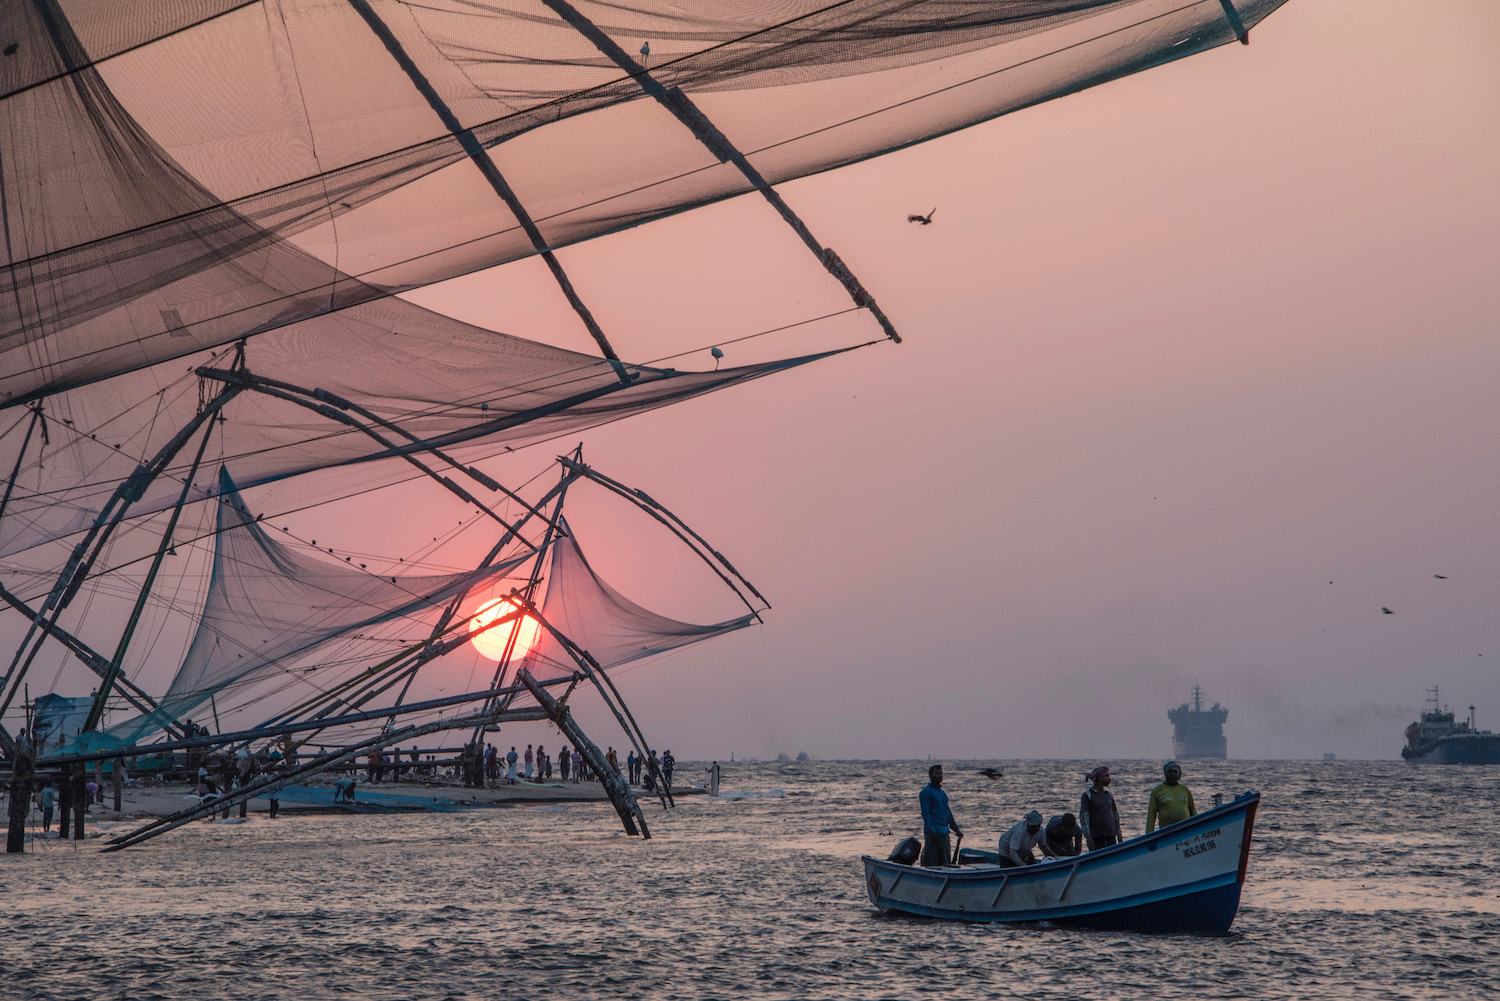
[613, 629]
[182, 173]
[269, 605]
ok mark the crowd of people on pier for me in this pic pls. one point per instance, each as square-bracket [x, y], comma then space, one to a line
[1031, 839]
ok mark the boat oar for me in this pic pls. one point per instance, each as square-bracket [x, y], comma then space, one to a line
[955, 848]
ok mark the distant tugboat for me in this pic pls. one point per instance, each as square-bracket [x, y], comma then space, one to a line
[1198, 732]
[1436, 739]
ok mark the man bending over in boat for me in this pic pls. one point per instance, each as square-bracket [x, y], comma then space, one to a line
[1062, 837]
[937, 818]
[1171, 801]
[1017, 843]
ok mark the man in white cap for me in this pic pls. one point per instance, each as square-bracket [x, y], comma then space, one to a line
[1171, 801]
[1017, 843]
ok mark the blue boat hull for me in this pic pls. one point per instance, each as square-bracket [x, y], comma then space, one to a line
[1207, 912]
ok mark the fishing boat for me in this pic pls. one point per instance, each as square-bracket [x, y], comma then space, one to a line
[1184, 878]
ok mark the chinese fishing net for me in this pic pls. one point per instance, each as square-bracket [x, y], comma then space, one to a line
[178, 174]
[599, 619]
[269, 606]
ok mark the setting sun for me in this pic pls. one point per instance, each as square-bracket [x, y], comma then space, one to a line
[492, 642]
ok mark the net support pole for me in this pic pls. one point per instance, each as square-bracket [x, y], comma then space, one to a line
[617, 788]
[476, 151]
[601, 679]
[22, 773]
[92, 659]
[82, 559]
[591, 669]
[1236, 22]
[359, 690]
[688, 113]
[221, 740]
[309, 400]
[10, 484]
[673, 524]
[245, 793]
[107, 682]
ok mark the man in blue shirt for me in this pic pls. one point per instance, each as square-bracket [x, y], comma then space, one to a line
[937, 818]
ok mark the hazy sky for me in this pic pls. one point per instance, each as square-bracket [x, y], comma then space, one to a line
[1199, 373]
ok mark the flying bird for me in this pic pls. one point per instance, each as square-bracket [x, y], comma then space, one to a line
[991, 773]
[1387, 611]
[1440, 576]
[925, 220]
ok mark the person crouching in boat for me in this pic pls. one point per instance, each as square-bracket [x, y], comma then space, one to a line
[937, 820]
[1062, 837]
[1097, 814]
[1171, 801]
[1017, 843]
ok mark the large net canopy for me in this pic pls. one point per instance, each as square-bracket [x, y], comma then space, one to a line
[177, 174]
[211, 207]
[270, 606]
[614, 630]
[410, 374]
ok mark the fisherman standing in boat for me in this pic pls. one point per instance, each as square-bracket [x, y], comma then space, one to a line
[1171, 801]
[1097, 814]
[937, 819]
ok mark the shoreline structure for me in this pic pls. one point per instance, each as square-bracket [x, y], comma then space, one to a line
[142, 801]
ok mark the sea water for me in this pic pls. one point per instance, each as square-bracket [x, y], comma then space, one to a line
[1366, 879]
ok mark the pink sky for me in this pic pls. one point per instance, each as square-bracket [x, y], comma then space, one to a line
[1181, 350]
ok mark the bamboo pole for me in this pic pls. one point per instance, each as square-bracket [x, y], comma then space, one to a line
[594, 672]
[655, 510]
[22, 781]
[76, 570]
[96, 711]
[482, 160]
[615, 787]
[220, 740]
[685, 111]
[248, 792]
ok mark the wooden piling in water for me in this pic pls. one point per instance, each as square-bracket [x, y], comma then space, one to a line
[64, 801]
[615, 786]
[80, 801]
[22, 781]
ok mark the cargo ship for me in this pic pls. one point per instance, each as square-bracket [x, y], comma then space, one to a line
[1438, 739]
[1198, 732]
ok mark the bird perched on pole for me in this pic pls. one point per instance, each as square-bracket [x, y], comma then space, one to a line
[925, 220]
[718, 354]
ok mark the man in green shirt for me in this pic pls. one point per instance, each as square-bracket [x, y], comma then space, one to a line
[1171, 801]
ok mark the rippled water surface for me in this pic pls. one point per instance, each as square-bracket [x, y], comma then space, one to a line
[1371, 880]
